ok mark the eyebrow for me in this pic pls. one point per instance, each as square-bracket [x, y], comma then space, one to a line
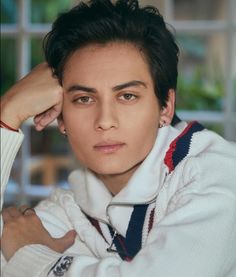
[133, 83]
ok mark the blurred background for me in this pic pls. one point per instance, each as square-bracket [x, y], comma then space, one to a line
[206, 34]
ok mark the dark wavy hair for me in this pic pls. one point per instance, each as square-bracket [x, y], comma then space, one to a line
[103, 21]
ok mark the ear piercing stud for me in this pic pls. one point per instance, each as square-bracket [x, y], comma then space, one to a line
[64, 133]
[161, 125]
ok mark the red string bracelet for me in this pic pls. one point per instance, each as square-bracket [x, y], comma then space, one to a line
[4, 125]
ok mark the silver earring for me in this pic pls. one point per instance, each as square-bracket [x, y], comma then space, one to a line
[161, 125]
[64, 133]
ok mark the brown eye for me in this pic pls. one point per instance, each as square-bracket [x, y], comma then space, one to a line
[128, 97]
[84, 100]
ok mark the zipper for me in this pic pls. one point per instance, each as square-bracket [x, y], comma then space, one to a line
[116, 233]
[124, 205]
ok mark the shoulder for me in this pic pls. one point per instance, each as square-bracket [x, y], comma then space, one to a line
[208, 142]
[215, 163]
[203, 183]
[215, 158]
[208, 164]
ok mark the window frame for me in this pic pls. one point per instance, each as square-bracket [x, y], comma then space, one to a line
[226, 117]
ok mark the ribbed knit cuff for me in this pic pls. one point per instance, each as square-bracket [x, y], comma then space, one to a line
[30, 261]
[10, 144]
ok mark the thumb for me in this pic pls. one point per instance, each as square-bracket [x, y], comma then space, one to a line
[63, 243]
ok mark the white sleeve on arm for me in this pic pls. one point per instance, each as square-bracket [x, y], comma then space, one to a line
[10, 144]
[56, 221]
[196, 238]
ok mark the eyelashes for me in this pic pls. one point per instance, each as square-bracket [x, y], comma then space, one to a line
[128, 97]
[86, 100]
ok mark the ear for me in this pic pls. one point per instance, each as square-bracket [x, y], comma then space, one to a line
[168, 111]
[60, 123]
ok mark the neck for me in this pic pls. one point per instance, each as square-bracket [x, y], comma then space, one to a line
[116, 182]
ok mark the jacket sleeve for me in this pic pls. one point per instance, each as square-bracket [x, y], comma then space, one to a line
[10, 144]
[196, 237]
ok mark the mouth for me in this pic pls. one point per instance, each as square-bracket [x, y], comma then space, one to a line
[108, 147]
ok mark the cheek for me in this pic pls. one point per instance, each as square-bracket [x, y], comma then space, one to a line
[147, 134]
[149, 124]
[81, 143]
[143, 131]
[75, 121]
[78, 129]
[146, 120]
[79, 133]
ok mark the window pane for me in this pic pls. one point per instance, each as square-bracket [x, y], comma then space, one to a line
[233, 10]
[36, 51]
[47, 11]
[234, 86]
[51, 161]
[8, 11]
[199, 10]
[8, 65]
[201, 72]
[234, 73]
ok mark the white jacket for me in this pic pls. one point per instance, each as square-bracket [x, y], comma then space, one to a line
[189, 229]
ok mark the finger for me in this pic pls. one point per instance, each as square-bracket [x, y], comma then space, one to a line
[22, 208]
[28, 211]
[9, 214]
[63, 243]
[43, 120]
[6, 217]
[42, 115]
[51, 114]
[42, 124]
[13, 211]
[37, 118]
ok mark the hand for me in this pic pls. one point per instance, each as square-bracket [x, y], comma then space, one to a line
[37, 95]
[20, 230]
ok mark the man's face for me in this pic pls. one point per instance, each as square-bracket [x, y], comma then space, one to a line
[110, 111]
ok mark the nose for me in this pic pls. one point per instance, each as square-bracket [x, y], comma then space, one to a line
[106, 117]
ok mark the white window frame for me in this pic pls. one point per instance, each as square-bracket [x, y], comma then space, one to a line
[226, 117]
[24, 30]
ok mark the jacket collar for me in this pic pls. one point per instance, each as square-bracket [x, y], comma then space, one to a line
[94, 198]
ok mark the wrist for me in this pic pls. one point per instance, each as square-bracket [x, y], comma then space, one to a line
[6, 126]
[8, 116]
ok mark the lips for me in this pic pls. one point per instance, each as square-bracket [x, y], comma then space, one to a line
[109, 147]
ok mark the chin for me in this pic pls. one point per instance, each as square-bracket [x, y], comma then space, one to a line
[109, 169]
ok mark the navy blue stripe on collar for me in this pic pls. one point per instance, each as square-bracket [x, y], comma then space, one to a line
[135, 229]
[129, 246]
[179, 147]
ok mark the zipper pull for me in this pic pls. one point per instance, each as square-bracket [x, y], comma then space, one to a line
[109, 249]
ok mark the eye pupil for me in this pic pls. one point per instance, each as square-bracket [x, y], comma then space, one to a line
[84, 98]
[128, 96]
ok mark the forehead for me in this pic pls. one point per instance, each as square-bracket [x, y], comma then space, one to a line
[117, 60]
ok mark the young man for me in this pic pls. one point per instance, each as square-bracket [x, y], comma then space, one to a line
[148, 198]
